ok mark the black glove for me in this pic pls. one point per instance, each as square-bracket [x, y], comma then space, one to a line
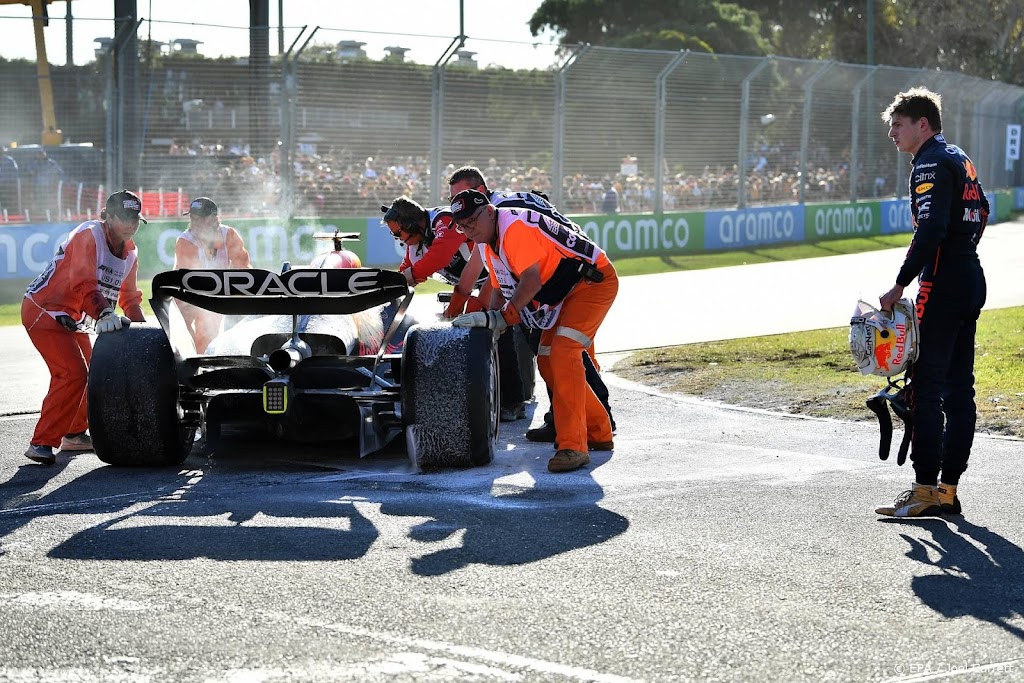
[67, 322]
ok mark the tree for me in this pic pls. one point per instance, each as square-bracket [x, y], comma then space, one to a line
[673, 24]
[932, 34]
[808, 29]
[983, 39]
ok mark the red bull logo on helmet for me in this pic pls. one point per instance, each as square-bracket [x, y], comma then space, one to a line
[901, 343]
[890, 346]
[883, 348]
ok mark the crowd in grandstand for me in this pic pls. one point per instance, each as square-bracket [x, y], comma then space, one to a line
[346, 184]
[334, 187]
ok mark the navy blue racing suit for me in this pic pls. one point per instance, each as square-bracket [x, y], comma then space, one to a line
[950, 212]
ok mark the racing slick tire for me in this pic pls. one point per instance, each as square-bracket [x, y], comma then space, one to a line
[133, 400]
[450, 396]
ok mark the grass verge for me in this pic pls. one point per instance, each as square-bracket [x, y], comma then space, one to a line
[812, 373]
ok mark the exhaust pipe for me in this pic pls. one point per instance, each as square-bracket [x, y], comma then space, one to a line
[289, 355]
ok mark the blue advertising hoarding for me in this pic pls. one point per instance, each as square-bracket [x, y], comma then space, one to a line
[742, 228]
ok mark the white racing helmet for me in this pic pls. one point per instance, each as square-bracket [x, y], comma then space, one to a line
[884, 343]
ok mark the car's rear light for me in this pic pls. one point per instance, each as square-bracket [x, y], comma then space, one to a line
[275, 396]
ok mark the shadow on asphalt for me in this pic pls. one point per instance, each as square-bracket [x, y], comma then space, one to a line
[980, 571]
[265, 504]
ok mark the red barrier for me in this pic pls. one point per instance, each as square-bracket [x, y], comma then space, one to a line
[77, 202]
[161, 204]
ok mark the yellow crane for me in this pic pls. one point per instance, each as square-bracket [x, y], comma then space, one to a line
[51, 134]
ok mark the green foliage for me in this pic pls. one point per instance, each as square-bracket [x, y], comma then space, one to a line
[664, 40]
[913, 33]
[326, 53]
[705, 25]
[951, 36]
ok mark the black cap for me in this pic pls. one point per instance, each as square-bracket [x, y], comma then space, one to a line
[126, 204]
[201, 207]
[466, 203]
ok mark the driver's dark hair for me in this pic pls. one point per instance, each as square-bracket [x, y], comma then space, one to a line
[471, 174]
[917, 103]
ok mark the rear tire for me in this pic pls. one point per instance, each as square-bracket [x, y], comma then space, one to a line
[450, 396]
[133, 400]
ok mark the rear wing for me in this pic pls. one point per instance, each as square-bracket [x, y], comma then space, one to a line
[300, 291]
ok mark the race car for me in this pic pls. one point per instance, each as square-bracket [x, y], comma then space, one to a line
[307, 360]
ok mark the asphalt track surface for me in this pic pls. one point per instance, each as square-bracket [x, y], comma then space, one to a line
[714, 543]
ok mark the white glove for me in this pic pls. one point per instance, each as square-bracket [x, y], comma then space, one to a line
[492, 320]
[110, 321]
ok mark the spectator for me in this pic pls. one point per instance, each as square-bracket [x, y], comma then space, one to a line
[610, 200]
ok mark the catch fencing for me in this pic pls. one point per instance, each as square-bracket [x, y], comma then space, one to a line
[335, 128]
